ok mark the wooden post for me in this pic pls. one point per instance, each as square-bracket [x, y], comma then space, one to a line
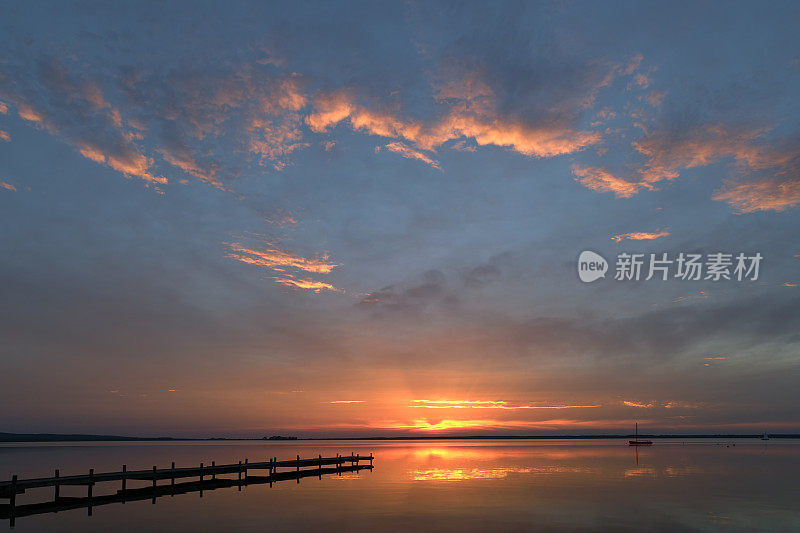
[370, 458]
[13, 490]
[91, 484]
[274, 469]
[245, 468]
[213, 470]
[124, 480]
[240, 471]
[298, 463]
[13, 501]
[57, 487]
[154, 476]
[172, 479]
[201, 479]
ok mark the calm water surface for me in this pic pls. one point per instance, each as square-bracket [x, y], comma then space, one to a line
[597, 485]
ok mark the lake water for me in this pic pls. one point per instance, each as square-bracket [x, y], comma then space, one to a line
[511, 485]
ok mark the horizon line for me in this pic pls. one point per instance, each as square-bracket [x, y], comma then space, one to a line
[67, 437]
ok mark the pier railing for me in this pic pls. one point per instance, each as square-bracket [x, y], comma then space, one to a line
[206, 474]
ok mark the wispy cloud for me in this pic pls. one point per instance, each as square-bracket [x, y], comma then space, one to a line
[776, 194]
[642, 405]
[640, 236]
[601, 180]
[280, 260]
[77, 112]
[4, 136]
[187, 163]
[767, 170]
[125, 159]
[488, 404]
[410, 153]
[306, 283]
[7, 186]
[273, 257]
[26, 112]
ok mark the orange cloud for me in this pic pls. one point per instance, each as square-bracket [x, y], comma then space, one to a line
[487, 404]
[189, 165]
[423, 424]
[282, 220]
[601, 180]
[408, 152]
[642, 80]
[310, 284]
[279, 260]
[347, 401]
[330, 110]
[637, 404]
[667, 155]
[528, 140]
[7, 186]
[640, 236]
[763, 195]
[4, 136]
[471, 115]
[26, 112]
[3, 108]
[93, 95]
[655, 98]
[126, 160]
[273, 257]
[116, 151]
[275, 138]
[704, 146]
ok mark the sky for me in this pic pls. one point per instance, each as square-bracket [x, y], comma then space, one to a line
[364, 218]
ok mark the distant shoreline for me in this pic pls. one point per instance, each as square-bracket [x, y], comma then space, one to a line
[56, 437]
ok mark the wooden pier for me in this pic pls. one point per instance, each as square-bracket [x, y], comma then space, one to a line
[206, 474]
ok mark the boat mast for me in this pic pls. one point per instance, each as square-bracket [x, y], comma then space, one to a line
[637, 430]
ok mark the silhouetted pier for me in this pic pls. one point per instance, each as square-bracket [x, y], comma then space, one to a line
[206, 474]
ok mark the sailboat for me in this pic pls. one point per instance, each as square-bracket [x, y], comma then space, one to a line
[765, 436]
[636, 441]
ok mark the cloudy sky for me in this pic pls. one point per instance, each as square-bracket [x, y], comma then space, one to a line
[242, 219]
